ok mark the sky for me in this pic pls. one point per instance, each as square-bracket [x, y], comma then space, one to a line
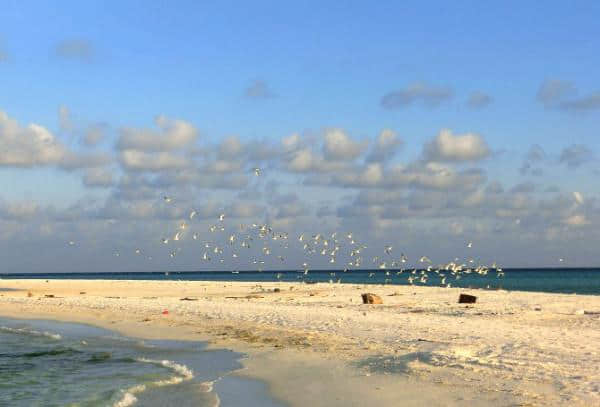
[417, 125]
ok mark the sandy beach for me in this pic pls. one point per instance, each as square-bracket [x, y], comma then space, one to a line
[317, 344]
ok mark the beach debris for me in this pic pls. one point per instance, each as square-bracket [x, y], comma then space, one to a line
[369, 298]
[188, 299]
[29, 294]
[165, 312]
[466, 299]
[586, 312]
[276, 290]
[49, 296]
[82, 292]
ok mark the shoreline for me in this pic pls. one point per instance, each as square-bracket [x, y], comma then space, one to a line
[419, 347]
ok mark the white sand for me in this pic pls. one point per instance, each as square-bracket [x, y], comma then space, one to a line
[310, 342]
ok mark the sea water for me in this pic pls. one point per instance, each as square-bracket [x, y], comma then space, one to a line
[46, 363]
[552, 280]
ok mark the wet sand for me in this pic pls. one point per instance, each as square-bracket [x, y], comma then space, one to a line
[319, 345]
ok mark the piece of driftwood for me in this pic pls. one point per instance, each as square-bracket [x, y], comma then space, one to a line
[369, 298]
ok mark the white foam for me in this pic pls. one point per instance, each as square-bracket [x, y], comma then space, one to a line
[129, 398]
[32, 332]
[184, 373]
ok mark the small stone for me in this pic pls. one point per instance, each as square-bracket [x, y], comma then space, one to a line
[580, 312]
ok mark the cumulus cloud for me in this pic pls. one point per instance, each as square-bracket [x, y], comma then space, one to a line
[22, 210]
[561, 94]
[74, 48]
[135, 160]
[385, 146]
[534, 156]
[98, 178]
[28, 146]
[576, 155]
[94, 134]
[173, 134]
[448, 147]
[479, 100]
[418, 92]
[230, 147]
[339, 146]
[576, 220]
[259, 90]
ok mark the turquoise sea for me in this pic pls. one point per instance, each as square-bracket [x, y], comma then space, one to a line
[553, 280]
[45, 363]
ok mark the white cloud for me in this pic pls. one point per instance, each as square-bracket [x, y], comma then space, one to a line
[448, 147]
[576, 220]
[173, 135]
[230, 147]
[338, 146]
[135, 160]
[98, 177]
[28, 146]
[385, 147]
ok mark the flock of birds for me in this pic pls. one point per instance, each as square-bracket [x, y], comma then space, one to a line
[259, 244]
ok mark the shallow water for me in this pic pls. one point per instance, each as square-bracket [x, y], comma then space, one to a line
[46, 363]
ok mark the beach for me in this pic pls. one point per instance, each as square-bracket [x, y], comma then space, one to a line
[317, 344]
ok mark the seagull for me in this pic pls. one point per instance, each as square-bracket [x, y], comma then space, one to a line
[470, 244]
[176, 237]
[167, 199]
[578, 197]
[192, 214]
[71, 243]
[257, 171]
[165, 240]
[388, 249]
[221, 217]
[137, 251]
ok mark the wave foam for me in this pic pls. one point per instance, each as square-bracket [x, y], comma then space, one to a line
[129, 398]
[31, 332]
[183, 372]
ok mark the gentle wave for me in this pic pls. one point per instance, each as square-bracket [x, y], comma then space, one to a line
[31, 332]
[129, 398]
[50, 352]
[184, 373]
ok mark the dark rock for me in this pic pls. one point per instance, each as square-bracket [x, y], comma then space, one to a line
[466, 299]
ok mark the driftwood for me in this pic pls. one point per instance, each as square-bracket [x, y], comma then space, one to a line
[369, 298]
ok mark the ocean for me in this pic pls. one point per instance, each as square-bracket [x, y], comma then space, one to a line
[44, 363]
[552, 280]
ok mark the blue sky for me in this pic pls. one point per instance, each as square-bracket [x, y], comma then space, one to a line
[263, 71]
